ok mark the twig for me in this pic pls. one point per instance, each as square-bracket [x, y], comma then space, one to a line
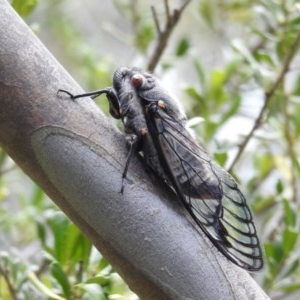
[268, 95]
[156, 20]
[5, 274]
[164, 34]
[290, 148]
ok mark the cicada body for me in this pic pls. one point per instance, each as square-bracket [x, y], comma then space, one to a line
[155, 125]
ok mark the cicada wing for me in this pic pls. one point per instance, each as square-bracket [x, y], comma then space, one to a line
[210, 194]
[237, 220]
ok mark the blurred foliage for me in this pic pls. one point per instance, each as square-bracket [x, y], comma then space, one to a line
[62, 265]
[257, 38]
[24, 8]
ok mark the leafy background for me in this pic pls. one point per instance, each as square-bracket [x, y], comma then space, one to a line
[234, 65]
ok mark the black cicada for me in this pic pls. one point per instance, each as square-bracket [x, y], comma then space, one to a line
[155, 125]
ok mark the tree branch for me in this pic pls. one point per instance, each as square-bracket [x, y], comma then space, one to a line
[268, 96]
[77, 157]
[164, 34]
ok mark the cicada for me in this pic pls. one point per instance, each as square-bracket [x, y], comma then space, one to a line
[155, 125]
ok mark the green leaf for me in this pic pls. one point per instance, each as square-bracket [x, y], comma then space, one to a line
[61, 278]
[296, 91]
[292, 287]
[295, 21]
[207, 12]
[101, 280]
[194, 94]
[245, 52]
[264, 57]
[24, 7]
[284, 44]
[210, 130]
[221, 158]
[59, 224]
[144, 37]
[201, 75]
[261, 204]
[217, 81]
[182, 47]
[264, 164]
[289, 239]
[233, 108]
[70, 246]
[38, 197]
[41, 231]
[279, 187]
[274, 252]
[292, 268]
[289, 214]
[296, 163]
[79, 247]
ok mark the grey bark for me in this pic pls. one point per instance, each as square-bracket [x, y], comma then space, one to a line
[77, 156]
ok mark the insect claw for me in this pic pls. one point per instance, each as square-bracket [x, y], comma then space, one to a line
[66, 92]
[122, 186]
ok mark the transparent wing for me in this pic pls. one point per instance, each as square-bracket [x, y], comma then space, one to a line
[210, 194]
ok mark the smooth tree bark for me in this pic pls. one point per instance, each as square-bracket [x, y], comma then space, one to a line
[77, 156]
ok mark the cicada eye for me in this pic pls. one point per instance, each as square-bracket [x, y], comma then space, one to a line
[114, 106]
[137, 80]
